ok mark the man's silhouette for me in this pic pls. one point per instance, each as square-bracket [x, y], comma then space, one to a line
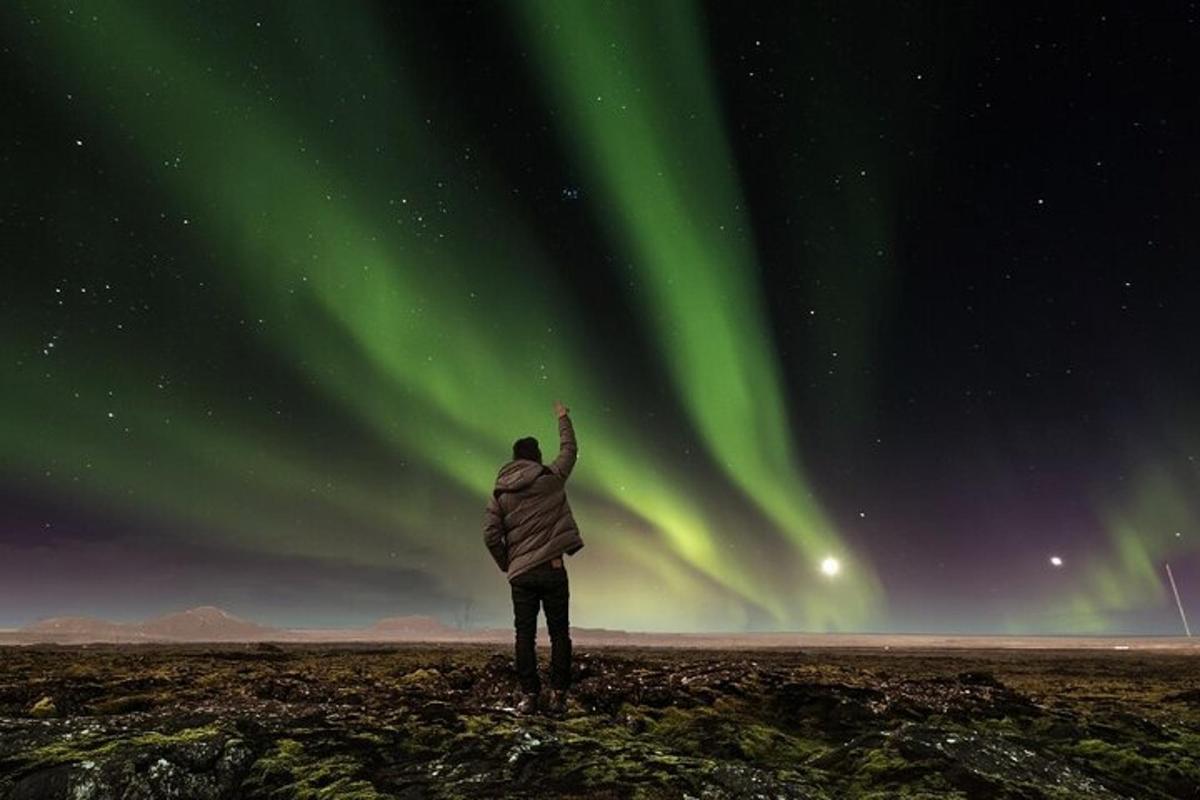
[528, 528]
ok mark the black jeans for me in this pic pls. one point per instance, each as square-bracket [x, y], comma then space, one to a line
[547, 586]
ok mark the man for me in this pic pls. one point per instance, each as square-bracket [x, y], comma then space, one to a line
[528, 529]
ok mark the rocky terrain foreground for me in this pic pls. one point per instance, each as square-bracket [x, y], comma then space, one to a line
[259, 721]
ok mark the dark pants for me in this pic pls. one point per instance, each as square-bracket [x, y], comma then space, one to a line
[547, 586]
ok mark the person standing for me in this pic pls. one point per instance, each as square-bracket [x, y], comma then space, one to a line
[528, 529]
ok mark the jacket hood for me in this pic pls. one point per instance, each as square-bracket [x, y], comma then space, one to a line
[516, 475]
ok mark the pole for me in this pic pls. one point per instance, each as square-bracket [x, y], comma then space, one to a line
[1178, 604]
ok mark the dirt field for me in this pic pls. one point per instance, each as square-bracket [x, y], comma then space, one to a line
[425, 721]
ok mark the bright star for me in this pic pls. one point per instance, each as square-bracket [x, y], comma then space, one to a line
[1055, 561]
[831, 566]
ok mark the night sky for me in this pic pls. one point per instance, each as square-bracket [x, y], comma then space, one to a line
[908, 286]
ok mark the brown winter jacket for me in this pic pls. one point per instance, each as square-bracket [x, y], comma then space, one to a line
[528, 519]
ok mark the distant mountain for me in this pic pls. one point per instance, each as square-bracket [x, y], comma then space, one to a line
[211, 624]
[414, 627]
[80, 629]
[205, 624]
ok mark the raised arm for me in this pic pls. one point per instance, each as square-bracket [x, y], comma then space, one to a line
[494, 535]
[567, 449]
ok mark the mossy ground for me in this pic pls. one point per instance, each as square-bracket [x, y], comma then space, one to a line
[437, 722]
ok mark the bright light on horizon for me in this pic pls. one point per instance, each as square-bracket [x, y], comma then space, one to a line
[831, 566]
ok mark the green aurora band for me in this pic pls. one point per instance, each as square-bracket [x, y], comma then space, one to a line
[1143, 529]
[633, 80]
[379, 303]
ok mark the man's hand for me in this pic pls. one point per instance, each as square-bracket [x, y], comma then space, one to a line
[566, 442]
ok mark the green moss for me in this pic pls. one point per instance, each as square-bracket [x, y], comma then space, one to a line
[127, 704]
[44, 708]
[1164, 766]
[608, 731]
[421, 679]
[369, 738]
[213, 680]
[631, 765]
[80, 672]
[911, 793]
[99, 747]
[476, 724]
[881, 773]
[687, 731]
[184, 736]
[723, 733]
[288, 771]
[881, 764]
[768, 746]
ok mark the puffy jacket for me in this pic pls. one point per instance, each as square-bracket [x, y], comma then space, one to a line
[528, 519]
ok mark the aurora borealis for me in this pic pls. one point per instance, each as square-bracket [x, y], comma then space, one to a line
[911, 290]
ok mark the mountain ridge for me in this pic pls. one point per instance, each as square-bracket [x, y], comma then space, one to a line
[203, 623]
[211, 624]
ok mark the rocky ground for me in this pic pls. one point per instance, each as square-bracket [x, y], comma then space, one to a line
[437, 722]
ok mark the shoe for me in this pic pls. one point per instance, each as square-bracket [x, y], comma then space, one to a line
[527, 703]
[558, 701]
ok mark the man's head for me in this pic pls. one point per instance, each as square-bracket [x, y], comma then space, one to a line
[527, 449]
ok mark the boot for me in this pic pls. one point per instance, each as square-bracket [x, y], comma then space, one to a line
[527, 703]
[558, 701]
